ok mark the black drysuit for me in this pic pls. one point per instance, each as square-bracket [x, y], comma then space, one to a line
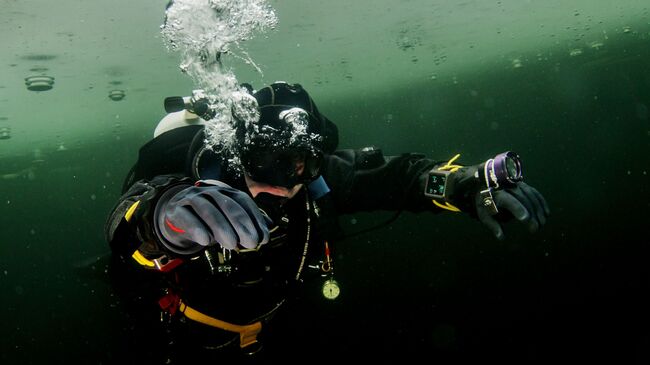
[248, 286]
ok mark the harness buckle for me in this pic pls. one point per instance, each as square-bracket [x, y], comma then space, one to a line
[164, 264]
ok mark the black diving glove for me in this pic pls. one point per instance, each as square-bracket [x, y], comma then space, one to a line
[519, 201]
[189, 218]
[523, 202]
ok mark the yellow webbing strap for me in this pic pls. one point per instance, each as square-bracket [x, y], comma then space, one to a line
[446, 206]
[449, 166]
[453, 168]
[247, 333]
[137, 256]
[131, 210]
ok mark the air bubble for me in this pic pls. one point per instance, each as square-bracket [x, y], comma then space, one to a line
[116, 95]
[205, 31]
[5, 133]
[39, 83]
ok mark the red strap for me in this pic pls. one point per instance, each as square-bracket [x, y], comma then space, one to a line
[170, 303]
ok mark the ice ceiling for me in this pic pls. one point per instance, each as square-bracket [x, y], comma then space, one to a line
[339, 48]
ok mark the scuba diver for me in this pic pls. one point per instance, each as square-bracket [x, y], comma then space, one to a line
[220, 239]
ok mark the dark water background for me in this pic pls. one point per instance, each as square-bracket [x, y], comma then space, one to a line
[438, 286]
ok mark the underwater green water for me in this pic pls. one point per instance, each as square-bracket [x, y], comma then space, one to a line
[438, 286]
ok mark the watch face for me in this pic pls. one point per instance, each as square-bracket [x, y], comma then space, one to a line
[331, 289]
[436, 185]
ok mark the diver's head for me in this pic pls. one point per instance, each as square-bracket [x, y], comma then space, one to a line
[285, 147]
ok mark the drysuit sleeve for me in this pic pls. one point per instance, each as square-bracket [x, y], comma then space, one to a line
[366, 180]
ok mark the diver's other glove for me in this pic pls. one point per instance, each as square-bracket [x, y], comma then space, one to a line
[187, 219]
[520, 201]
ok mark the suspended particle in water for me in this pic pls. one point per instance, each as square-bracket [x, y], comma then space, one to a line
[642, 111]
[627, 29]
[575, 52]
[596, 45]
[516, 63]
[37, 154]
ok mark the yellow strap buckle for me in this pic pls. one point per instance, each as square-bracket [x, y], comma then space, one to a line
[162, 263]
